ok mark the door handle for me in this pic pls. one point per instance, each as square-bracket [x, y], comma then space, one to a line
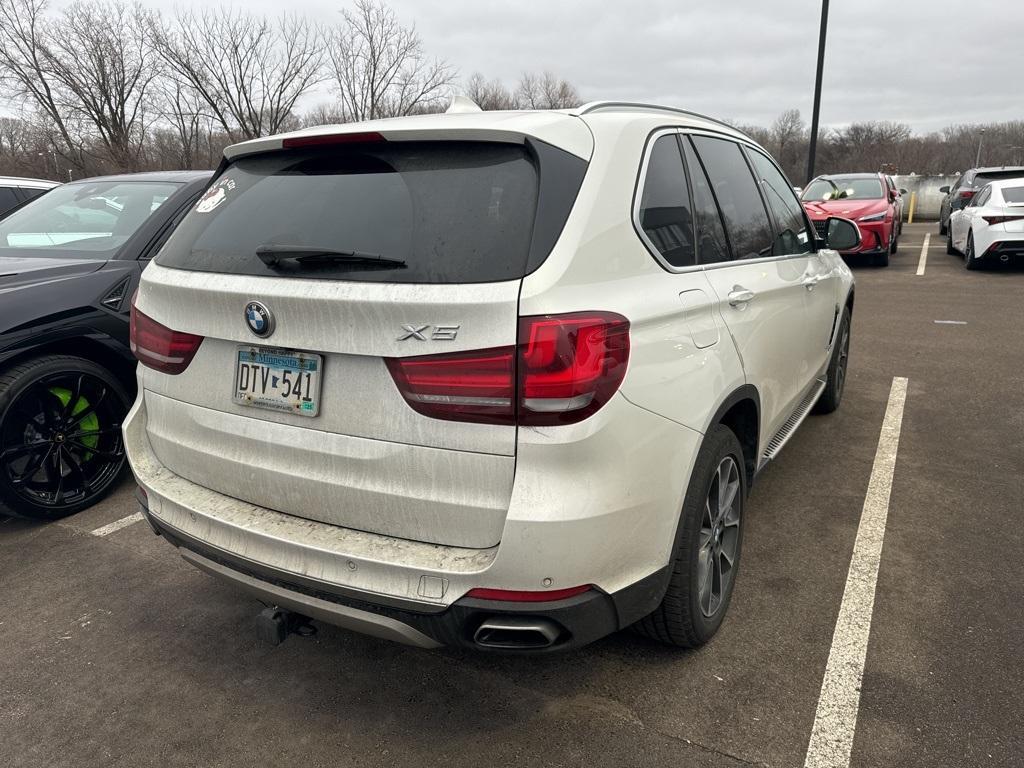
[812, 280]
[740, 296]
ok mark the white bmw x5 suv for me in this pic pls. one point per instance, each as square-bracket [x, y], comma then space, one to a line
[499, 380]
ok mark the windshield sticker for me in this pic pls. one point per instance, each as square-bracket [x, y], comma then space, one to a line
[215, 195]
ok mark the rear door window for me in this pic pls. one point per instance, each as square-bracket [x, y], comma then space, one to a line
[666, 215]
[791, 232]
[712, 245]
[447, 212]
[746, 220]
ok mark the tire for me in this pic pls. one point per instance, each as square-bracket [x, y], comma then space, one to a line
[942, 227]
[835, 380]
[682, 619]
[970, 262]
[949, 242]
[895, 244]
[61, 448]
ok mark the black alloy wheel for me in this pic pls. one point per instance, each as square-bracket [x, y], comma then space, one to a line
[61, 447]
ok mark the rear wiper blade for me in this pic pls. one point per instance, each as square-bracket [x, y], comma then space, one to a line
[274, 255]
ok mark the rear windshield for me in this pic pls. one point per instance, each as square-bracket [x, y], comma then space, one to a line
[432, 212]
[1013, 195]
[984, 178]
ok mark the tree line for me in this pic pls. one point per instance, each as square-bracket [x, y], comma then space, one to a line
[109, 85]
[103, 86]
[891, 147]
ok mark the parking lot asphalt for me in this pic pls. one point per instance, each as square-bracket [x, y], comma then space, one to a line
[115, 652]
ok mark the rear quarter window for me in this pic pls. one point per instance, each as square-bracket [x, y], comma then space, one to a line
[665, 214]
[453, 212]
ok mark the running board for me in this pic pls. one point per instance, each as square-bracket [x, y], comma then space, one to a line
[777, 443]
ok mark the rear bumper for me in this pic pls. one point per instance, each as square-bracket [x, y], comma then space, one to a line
[577, 620]
[1008, 250]
[616, 536]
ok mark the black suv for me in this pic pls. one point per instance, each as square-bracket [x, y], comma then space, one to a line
[960, 194]
[69, 263]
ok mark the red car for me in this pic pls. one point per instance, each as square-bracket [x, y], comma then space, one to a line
[865, 198]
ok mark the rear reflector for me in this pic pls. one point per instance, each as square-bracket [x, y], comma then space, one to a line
[158, 347]
[1001, 219]
[323, 140]
[564, 368]
[518, 596]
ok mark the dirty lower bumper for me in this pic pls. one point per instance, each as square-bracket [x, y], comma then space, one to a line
[578, 620]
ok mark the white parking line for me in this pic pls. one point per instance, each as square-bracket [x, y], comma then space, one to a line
[836, 717]
[924, 254]
[117, 525]
[950, 322]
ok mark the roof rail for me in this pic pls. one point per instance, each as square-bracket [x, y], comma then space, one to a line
[599, 106]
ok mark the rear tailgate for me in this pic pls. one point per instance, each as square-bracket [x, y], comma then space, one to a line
[461, 218]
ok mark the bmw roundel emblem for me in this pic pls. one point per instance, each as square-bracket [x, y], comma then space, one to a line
[259, 319]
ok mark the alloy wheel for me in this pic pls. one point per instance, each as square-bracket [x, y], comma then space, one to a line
[60, 440]
[719, 537]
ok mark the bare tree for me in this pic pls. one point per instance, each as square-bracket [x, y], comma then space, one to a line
[25, 67]
[247, 70]
[380, 68]
[490, 94]
[789, 138]
[546, 91]
[98, 52]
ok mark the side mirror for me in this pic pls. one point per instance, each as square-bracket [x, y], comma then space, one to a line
[841, 234]
[903, 191]
[944, 190]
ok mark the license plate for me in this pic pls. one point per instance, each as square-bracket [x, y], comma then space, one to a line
[278, 379]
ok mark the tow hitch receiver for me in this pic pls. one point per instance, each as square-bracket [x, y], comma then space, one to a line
[274, 624]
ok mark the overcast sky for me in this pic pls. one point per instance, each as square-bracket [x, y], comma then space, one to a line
[928, 63]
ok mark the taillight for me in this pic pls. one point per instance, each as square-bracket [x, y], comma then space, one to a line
[1001, 219]
[564, 368]
[329, 139]
[520, 596]
[966, 194]
[569, 365]
[462, 386]
[158, 347]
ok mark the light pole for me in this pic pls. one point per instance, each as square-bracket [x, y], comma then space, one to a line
[977, 159]
[46, 166]
[817, 91]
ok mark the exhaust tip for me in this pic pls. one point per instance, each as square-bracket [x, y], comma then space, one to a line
[514, 633]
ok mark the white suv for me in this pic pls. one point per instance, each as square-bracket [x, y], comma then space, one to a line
[499, 380]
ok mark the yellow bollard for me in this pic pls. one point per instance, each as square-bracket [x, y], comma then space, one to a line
[913, 202]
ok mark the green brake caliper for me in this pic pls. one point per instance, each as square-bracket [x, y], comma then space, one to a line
[90, 423]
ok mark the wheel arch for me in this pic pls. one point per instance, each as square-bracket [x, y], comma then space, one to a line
[87, 347]
[740, 411]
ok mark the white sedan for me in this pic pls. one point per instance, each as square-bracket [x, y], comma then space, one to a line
[991, 228]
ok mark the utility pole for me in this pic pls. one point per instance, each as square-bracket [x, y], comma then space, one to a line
[817, 91]
[977, 159]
